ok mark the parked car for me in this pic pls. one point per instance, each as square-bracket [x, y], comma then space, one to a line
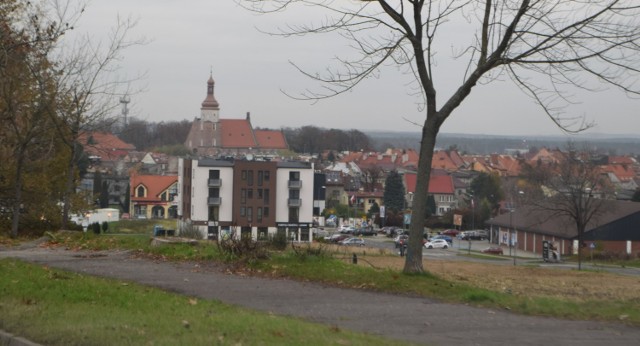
[353, 242]
[365, 231]
[347, 229]
[450, 232]
[494, 250]
[320, 232]
[437, 244]
[337, 237]
[474, 235]
[447, 238]
[392, 231]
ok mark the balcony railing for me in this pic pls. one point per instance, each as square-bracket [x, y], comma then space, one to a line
[214, 200]
[215, 182]
[295, 184]
[294, 202]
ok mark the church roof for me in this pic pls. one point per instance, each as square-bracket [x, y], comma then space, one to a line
[271, 139]
[237, 133]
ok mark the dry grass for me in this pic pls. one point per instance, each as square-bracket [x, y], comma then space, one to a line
[524, 280]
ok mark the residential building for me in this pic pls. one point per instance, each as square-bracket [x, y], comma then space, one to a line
[441, 187]
[153, 196]
[246, 198]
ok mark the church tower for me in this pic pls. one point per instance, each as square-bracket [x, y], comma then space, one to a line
[210, 110]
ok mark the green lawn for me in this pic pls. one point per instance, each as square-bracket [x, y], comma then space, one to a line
[53, 307]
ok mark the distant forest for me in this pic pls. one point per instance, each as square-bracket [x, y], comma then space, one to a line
[149, 136]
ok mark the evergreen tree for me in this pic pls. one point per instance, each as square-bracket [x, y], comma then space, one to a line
[394, 192]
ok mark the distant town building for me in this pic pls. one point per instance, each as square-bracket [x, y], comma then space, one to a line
[212, 136]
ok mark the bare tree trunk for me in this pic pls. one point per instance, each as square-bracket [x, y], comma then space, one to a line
[18, 195]
[69, 186]
[413, 261]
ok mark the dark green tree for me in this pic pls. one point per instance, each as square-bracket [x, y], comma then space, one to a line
[373, 210]
[431, 205]
[487, 187]
[394, 192]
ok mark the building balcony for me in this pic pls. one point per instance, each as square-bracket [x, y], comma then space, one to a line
[215, 182]
[294, 202]
[295, 184]
[214, 200]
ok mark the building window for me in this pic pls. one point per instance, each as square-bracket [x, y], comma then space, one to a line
[293, 214]
[214, 174]
[163, 197]
[294, 194]
[266, 196]
[140, 191]
[266, 212]
[250, 193]
[250, 178]
[214, 192]
[267, 175]
[294, 175]
[260, 177]
[259, 211]
[243, 211]
[250, 214]
[243, 175]
[213, 213]
[260, 196]
[243, 196]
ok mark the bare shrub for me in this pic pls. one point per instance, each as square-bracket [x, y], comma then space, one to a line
[243, 248]
[188, 230]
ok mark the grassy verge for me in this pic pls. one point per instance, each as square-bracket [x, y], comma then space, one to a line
[339, 273]
[322, 267]
[53, 307]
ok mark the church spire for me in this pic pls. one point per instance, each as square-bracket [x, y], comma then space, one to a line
[210, 107]
[210, 101]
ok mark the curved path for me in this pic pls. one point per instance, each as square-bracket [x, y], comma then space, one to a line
[414, 319]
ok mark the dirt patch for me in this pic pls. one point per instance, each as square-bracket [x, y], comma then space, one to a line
[524, 280]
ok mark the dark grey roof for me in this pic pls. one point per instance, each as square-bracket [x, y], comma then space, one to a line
[294, 164]
[209, 162]
[532, 219]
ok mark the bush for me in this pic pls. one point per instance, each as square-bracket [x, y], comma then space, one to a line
[95, 227]
[105, 226]
[189, 231]
[244, 249]
[278, 241]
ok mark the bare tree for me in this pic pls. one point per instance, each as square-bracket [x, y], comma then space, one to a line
[89, 87]
[568, 42]
[573, 189]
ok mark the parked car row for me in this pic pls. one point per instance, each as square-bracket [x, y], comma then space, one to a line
[473, 235]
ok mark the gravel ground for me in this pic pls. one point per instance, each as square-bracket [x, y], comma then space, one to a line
[400, 317]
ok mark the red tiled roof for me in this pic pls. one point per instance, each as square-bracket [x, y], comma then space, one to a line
[438, 184]
[237, 133]
[442, 160]
[623, 172]
[270, 139]
[155, 185]
[106, 145]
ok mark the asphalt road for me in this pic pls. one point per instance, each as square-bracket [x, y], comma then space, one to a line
[414, 319]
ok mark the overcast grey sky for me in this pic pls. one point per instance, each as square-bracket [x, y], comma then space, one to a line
[188, 39]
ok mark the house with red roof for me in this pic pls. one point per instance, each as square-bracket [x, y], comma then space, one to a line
[441, 187]
[104, 147]
[212, 136]
[153, 196]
